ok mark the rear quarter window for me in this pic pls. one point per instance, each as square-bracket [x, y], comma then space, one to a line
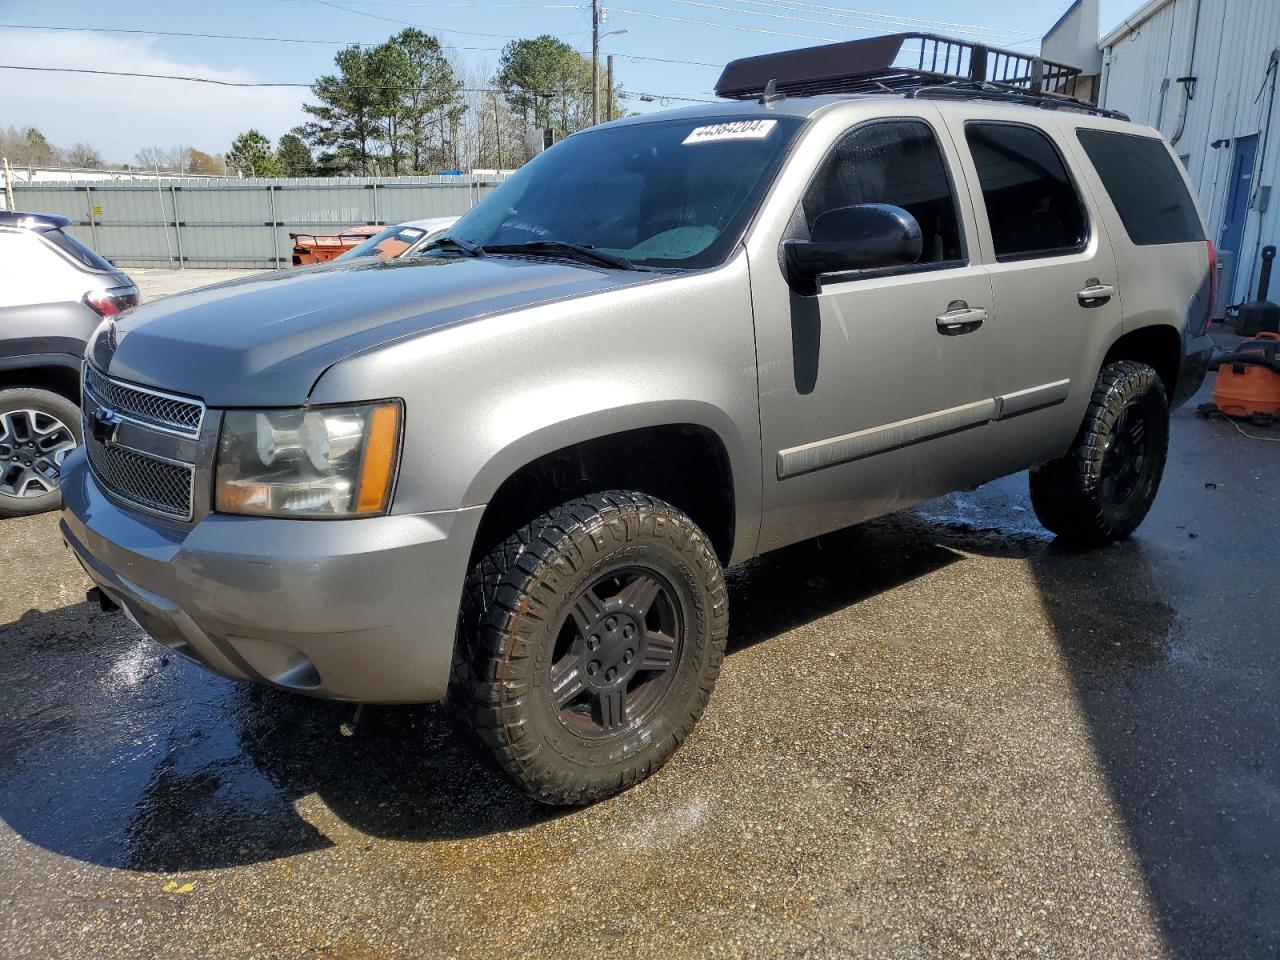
[76, 250]
[1145, 186]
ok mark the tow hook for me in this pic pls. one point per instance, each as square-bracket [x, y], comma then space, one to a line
[105, 603]
[348, 727]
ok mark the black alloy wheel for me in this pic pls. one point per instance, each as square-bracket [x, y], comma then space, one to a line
[1125, 455]
[616, 652]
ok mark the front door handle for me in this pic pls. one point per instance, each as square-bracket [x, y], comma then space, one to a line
[1095, 294]
[960, 318]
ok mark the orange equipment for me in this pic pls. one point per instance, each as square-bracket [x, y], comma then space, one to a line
[315, 248]
[1248, 383]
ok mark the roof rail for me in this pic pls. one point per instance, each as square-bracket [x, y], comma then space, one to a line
[961, 90]
[900, 62]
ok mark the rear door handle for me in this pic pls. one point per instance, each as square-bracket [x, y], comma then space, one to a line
[960, 318]
[1095, 294]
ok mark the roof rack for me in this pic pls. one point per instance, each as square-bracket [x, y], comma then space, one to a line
[922, 63]
[33, 221]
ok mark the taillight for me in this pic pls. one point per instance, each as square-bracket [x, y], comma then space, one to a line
[107, 303]
[1213, 285]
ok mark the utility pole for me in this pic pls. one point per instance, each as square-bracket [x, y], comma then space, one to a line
[497, 129]
[595, 62]
[8, 185]
[608, 93]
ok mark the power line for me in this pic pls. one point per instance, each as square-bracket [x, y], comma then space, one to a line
[433, 3]
[151, 76]
[720, 26]
[775, 16]
[878, 29]
[801, 6]
[410, 23]
[209, 36]
[358, 43]
[306, 86]
[692, 63]
[848, 14]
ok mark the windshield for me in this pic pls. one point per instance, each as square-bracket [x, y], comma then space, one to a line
[676, 193]
[388, 244]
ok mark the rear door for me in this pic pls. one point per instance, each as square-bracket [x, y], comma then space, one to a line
[1164, 257]
[1053, 276]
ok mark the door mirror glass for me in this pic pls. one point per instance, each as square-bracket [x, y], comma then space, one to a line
[866, 236]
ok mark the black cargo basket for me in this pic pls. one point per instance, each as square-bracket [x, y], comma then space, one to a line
[898, 61]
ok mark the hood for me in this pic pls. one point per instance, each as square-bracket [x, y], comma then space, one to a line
[265, 340]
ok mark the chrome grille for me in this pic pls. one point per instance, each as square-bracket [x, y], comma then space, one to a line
[160, 486]
[151, 408]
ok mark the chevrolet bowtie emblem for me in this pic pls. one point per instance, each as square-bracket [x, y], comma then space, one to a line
[105, 425]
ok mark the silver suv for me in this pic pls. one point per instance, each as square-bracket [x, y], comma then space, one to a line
[511, 471]
[54, 291]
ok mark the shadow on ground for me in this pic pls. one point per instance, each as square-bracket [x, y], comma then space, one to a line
[1170, 641]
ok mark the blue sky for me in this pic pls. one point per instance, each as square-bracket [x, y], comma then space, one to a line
[119, 115]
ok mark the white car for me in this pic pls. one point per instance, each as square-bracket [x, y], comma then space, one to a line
[400, 239]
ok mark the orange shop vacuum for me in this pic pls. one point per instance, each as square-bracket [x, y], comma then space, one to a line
[1248, 383]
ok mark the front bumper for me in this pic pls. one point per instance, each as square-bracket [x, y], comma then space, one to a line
[358, 610]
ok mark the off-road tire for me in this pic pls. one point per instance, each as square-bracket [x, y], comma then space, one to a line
[514, 613]
[1070, 494]
[45, 402]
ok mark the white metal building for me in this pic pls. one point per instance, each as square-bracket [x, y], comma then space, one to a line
[1203, 72]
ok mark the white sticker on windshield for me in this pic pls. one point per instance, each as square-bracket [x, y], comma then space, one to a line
[733, 130]
[410, 232]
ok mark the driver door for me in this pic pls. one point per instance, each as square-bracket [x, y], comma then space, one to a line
[871, 397]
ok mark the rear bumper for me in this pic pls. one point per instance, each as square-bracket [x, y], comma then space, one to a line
[358, 610]
[1195, 364]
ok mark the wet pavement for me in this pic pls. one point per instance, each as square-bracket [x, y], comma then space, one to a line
[936, 735]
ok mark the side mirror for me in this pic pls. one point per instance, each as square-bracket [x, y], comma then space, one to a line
[862, 237]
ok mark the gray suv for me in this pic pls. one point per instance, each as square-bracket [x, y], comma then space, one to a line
[511, 471]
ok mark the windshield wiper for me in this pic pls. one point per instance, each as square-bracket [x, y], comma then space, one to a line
[559, 248]
[465, 247]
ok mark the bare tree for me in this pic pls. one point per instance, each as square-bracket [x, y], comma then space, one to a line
[175, 158]
[84, 155]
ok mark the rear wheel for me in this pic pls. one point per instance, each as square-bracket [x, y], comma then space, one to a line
[1103, 487]
[38, 428]
[589, 644]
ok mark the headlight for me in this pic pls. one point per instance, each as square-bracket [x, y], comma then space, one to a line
[326, 462]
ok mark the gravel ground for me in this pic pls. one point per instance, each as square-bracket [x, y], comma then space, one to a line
[936, 735]
[156, 283]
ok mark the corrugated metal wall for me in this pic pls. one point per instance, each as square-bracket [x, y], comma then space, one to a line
[1233, 48]
[236, 223]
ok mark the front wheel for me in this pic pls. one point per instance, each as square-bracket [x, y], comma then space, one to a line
[589, 643]
[38, 429]
[1103, 487]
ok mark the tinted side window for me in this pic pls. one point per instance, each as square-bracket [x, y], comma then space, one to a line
[897, 162]
[1031, 202]
[1144, 184]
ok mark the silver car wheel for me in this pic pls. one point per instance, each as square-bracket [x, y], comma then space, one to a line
[32, 447]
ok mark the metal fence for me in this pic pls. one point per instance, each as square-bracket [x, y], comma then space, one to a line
[237, 223]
